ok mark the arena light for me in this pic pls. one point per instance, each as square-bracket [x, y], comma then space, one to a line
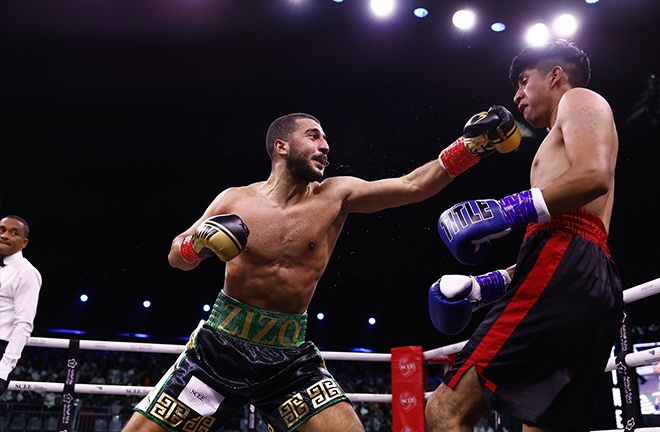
[382, 8]
[537, 34]
[464, 19]
[146, 304]
[84, 298]
[320, 316]
[565, 25]
[372, 321]
[66, 331]
[421, 12]
[498, 27]
[206, 308]
[361, 350]
[141, 335]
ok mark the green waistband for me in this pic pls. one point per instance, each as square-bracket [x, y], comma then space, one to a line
[258, 326]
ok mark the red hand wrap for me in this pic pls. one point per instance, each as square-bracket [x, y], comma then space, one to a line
[188, 253]
[456, 158]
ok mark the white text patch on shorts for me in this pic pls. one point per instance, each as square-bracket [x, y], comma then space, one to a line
[201, 397]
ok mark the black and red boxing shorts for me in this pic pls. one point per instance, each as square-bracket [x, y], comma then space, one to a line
[541, 350]
[243, 355]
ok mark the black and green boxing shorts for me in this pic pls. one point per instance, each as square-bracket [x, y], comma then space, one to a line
[243, 355]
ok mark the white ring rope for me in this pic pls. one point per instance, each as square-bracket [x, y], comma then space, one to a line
[338, 355]
[54, 387]
[633, 359]
[108, 346]
[444, 351]
[641, 291]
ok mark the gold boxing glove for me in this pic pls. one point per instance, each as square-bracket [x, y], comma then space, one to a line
[506, 136]
[484, 132]
[224, 236]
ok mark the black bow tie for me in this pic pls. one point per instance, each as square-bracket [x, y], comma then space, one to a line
[2, 261]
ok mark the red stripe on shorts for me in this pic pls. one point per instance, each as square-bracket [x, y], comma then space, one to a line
[523, 300]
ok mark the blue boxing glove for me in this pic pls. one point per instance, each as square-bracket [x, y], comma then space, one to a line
[468, 227]
[453, 298]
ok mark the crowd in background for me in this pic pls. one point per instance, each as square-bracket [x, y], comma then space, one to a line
[145, 368]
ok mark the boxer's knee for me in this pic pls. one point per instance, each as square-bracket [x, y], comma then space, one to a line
[457, 409]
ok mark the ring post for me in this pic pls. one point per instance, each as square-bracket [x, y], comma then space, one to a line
[408, 389]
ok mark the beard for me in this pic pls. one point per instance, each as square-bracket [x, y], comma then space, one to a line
[300, 166]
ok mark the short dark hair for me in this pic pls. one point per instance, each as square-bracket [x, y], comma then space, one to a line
[282, 128]
[544, 57]
[26, 227]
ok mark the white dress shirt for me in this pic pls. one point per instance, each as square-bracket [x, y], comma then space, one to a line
[20, 283]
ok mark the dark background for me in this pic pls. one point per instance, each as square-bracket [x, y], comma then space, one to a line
[121, 120]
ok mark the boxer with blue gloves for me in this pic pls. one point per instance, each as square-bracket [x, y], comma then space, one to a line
[565, 294]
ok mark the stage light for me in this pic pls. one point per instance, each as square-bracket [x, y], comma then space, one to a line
[372, 321]
[66, 331]
[565, 25]
[382, 8]
[206, 308]
[591, 1]
[146, 304]
[84, 298]
[464, 19]
[537, 34]
[320, 316]
[498, 27]
[421, 12]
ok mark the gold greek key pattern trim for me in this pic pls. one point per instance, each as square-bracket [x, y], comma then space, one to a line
[173, 412]
[323, 392]
[169, 410]
[199, 424]
[293, 410]
[320, 394]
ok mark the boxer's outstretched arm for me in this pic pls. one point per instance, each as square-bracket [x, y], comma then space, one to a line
[485, 132]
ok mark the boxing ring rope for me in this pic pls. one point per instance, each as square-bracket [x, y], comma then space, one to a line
[113, 389]
[630, 295]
